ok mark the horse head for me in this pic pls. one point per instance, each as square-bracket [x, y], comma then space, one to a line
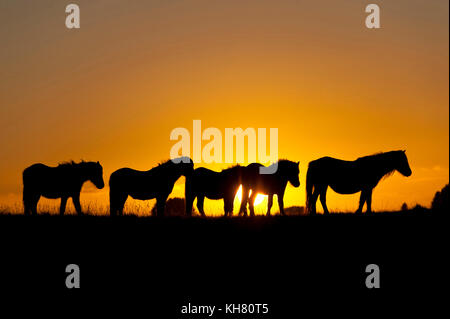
[402, 165]
[94, 173]
[291, 170]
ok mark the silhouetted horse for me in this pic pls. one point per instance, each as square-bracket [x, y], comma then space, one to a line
[349, 177]
[155, 183]
[268, 184]
[63, 181]
[213, 185]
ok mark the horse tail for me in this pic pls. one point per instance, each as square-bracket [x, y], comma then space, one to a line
[309, 188]
[188, 194]
[26, 192]
[113, 197]
[24, 195]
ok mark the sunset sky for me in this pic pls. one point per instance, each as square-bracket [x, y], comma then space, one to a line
[114, 89]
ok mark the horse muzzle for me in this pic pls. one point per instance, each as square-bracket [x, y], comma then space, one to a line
[99, 185]
[296, 184]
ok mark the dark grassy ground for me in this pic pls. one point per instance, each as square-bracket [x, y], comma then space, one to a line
[292, 263]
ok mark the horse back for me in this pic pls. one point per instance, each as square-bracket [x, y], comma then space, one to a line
[50, 182]
[329, 168]
[204, 175]
[125, 176]
[204, 171]
[331, 163]
[139, 184]
[36, 172]
[253, 166]
[207, 182]
[344, 177]
[251, 171]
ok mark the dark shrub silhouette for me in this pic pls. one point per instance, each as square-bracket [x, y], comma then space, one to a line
[349, 177]
[213, 185]
[63, 181]
[404, 207]
[174, 207]
[155, 183]
[440, 200]
[295, 211]
[418, 209]
[268, 184]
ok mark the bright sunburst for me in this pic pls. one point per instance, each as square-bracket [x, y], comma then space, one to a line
[258, 200]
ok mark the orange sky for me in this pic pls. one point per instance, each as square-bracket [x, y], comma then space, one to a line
[113, 90]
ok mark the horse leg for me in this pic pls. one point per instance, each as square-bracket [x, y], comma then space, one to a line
[33, 203]
[113, 205]
[228, 206]
[252, 200]
[369, 201]
[323, 200]
[231, 204]
[121, 205]
[26, 208]
[160, 205]
[189, 203]
[76, 203]
[269, 204]
[117, 203]
[314, 197]
[281, 203]
[362, 200]
[200, 202]
[225, 207]
[62, 207]
[27, 201]
[247, 202]
[244, 201]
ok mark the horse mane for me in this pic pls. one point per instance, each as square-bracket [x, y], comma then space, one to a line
[284, 160]
[70, 164]
[165, 163]
[389, 173]
[230, 168]
[170, 161]
[380, 156]
[371, 156]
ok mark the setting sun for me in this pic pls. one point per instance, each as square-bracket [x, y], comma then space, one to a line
[258, 200]
[275, 66]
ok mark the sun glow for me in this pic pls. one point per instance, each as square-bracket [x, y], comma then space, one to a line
[258, 200]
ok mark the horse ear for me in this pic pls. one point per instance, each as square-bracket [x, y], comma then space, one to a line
[298, 164]
[404, 151]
